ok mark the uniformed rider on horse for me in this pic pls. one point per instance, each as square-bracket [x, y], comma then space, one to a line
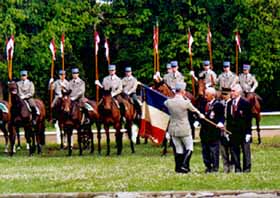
[226, 79]
[26, 91]
[247, 81]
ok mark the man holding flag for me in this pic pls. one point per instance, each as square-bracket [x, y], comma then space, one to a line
[179, 127]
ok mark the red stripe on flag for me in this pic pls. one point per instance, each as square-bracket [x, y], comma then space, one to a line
[148, 131]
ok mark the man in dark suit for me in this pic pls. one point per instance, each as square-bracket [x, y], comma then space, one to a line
[210, 135]
[239, 118]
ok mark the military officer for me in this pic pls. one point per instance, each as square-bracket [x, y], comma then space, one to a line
[239, 118]
[227, 78]
[130, 84]
[26, 91]
[247, 81]
[210, 135]
[168, 70]
[175, 76]
[58, 86]
[77, 86]
[179, 127]
[208, 75]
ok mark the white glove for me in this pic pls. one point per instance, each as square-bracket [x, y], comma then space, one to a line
[201, 116]
[158, 73]
[247, 138]
[22, 97]
[220, 125]
[167, 136]
[113, 94]
[97, 82]
[196, 124]
[51, 80]
[208, 85]
[72, 98]
[226, 136]
[192, 73]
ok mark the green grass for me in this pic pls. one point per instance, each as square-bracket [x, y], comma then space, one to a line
[145, 170]
[270, 120]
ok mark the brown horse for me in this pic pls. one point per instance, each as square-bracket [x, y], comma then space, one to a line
[255, 100]
[21, 116]
[163, 88]
[4, 120]
[71, 119]
[110, 114]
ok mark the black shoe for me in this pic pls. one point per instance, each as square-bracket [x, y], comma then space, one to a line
[186, 170]
[248, 170]
[208, 170]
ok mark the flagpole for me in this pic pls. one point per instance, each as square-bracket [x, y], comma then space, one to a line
[96, 66]
[62, 55]
[155, 54]
[236, 59]
[210, 47]
[157, 35]
[191, 67]
[51, 90]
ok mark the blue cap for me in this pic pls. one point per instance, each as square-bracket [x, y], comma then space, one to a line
[168, 66]
[61, 72]
[180, 86]
[206, 62]
[246, 67]
[111, 67]
[75, 71]
[226, 64]
[174, 63]
[128, 69]
[23, 73]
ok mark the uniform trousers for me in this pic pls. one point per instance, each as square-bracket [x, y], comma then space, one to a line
[182, 144]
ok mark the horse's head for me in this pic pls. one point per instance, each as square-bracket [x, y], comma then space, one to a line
[66, 102]
[12, 87]
[107, 100]
[201, 86]
[163, 88]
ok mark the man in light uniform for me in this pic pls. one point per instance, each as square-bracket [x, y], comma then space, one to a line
[169, 70]
[179, 127]
[26, 91]
[227, 78]
[247, 81]
[174, 77]
[130, 84]
[208, 75]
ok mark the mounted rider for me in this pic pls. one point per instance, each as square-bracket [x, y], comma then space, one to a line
[130, 84]
[59, 86]
[247, 81]
[173, 77]
[26, 91]
[208, 75]
[226, 79]
[114, 83]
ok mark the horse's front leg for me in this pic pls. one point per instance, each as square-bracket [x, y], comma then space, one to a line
[79, 134]
[98, 127]
[37, 132]
[30, 138]
[129, 133]
[106, 127]
[119, 138]
[6, 136]
[18, 138]
[12, 134]
[258, 119]
[69, 132]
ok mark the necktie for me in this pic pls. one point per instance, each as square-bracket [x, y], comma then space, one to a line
[234, 107]
[207, 107]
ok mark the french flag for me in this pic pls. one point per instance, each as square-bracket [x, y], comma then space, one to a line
[155, 116]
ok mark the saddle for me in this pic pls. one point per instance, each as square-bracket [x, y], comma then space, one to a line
[29, 108]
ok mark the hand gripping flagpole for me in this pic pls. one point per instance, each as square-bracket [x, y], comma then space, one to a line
[214, 124]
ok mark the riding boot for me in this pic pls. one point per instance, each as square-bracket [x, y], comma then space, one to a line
[186, 161]
[178, 163]
[34, 115]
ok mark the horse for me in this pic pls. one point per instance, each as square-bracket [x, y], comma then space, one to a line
[164, 89]
[255, 102]
[4, 120]
[71, 119]
[21, 116]
[110, 114]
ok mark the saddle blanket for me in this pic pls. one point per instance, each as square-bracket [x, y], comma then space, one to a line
[4, 108]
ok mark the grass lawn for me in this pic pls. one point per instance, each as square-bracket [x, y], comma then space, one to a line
[145, 170]
[269, 120]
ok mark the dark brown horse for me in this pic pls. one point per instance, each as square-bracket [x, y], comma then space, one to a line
[4, 120]
[163, 88]
[255, 102]
[110, 114]
[21, 116]
[71, 119]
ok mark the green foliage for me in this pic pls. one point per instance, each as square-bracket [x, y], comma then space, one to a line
[129, 27]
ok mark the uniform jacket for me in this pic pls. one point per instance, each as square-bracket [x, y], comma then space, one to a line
[178, 107]
[172, 78]
[57, 86]
[77, 87]
[215, 113]
[226, 80]
[129, 85]
[239, 123]
[248, 82]
[26, 89]
[114, 83]
[207, 77]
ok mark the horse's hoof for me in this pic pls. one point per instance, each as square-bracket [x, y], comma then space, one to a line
[132, 152]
